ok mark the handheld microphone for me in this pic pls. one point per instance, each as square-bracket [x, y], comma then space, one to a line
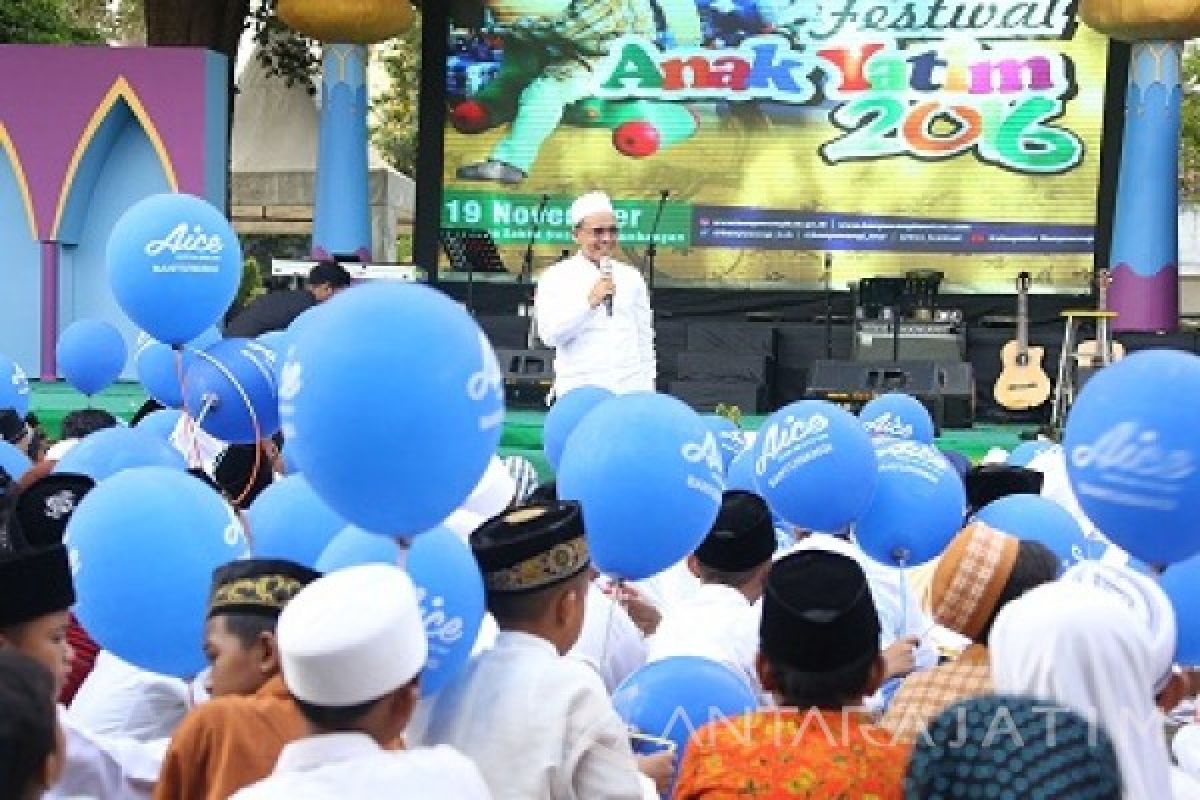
[606, 271]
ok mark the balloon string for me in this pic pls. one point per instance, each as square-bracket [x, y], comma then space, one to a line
[608, 626]
[903, 598]
[229, 376]
[192, 431]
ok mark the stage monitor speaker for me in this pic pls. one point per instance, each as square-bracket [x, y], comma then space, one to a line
[946, 389]
[528, 376]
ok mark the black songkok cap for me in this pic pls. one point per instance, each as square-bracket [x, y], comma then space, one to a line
[35, 573]
[990, 482]
[818, 615]
[743, 536]
[257, 586]
[531, 547]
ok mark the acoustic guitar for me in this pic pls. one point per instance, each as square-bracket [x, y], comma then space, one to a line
[1090, 354]
[1023, 383]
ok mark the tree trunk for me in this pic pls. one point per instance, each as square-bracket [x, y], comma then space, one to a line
[215, 24]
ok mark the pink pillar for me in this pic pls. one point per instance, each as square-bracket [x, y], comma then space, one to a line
[49, 310]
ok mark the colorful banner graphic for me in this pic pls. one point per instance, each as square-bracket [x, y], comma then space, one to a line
[893, 134]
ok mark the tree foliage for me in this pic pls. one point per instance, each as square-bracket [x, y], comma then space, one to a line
[1189, 151]
[42, 22]
[394, 132]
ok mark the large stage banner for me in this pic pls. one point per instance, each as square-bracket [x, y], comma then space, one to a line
[889, 135]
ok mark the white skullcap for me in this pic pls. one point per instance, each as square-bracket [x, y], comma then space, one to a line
[352, 636]
[588, 204]
[1145, 598]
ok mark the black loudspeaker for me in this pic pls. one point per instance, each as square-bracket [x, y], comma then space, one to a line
[528, 376]
[945, 388]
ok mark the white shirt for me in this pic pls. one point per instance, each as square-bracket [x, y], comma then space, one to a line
[610, 642]
[102, 768]
[118, 699]
[716, 622]
[673, 585]
[591, 346]
[538, 726]
[352, 766]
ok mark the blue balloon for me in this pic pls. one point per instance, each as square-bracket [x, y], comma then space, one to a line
[740, 473]
[13, 461]
[288, 520]
[1181, 582]
[815, 466]
[278, 343]
[102, 454]
[174, 265]
[648, 474]
[961, 464]
[160, 424]
[898, 416]
[1133, 456]
[232, 391]
[450, 593]
[1025, 452]
[730, 438]
[917, 508]
[673, 698]
[420, 380]
[158, 366]
[1031, 516]
[354, 547]
[91, 354]
[14, 386]
[143, 547]
[565, 415]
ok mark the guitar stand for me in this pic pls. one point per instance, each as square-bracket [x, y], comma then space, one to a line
[1064, 389]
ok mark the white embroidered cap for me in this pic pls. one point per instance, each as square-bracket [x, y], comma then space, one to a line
[587, 204]
[352, 636]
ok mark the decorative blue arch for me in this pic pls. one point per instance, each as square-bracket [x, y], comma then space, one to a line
[20, 268]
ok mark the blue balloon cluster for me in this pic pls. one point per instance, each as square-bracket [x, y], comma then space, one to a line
[288, 520]
[815, 465]
[898, 416]
[143, 546]
[564, 416]
[648, 473]
[106, 452]
[91, 354]
[231, 388]
[450, 593]
[427, 398]
[174, 265]
[14, 386]
[917, 508]
[1031, 516]
[671, 699]
[1133, 457]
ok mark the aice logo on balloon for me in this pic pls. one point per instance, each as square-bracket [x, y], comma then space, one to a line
[263, 358]
[1129, 454]
[708, 454]
[914, 457]
[486, 380]
[442, 630]
[778, 440]
[19, 380]
[291, 381]
[888, 424]
[181, 241]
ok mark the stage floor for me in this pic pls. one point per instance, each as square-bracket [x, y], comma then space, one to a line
[522, 427]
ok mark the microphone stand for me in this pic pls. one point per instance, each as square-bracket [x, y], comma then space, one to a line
[526, 278]
[651, 247]
[829, 306]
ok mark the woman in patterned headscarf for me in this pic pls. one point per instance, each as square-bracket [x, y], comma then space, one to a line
[1012, 748]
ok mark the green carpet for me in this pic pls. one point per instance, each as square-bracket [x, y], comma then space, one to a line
[522, 428]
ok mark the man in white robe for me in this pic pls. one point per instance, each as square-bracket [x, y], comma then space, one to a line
[539, 726]
[594, 310]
